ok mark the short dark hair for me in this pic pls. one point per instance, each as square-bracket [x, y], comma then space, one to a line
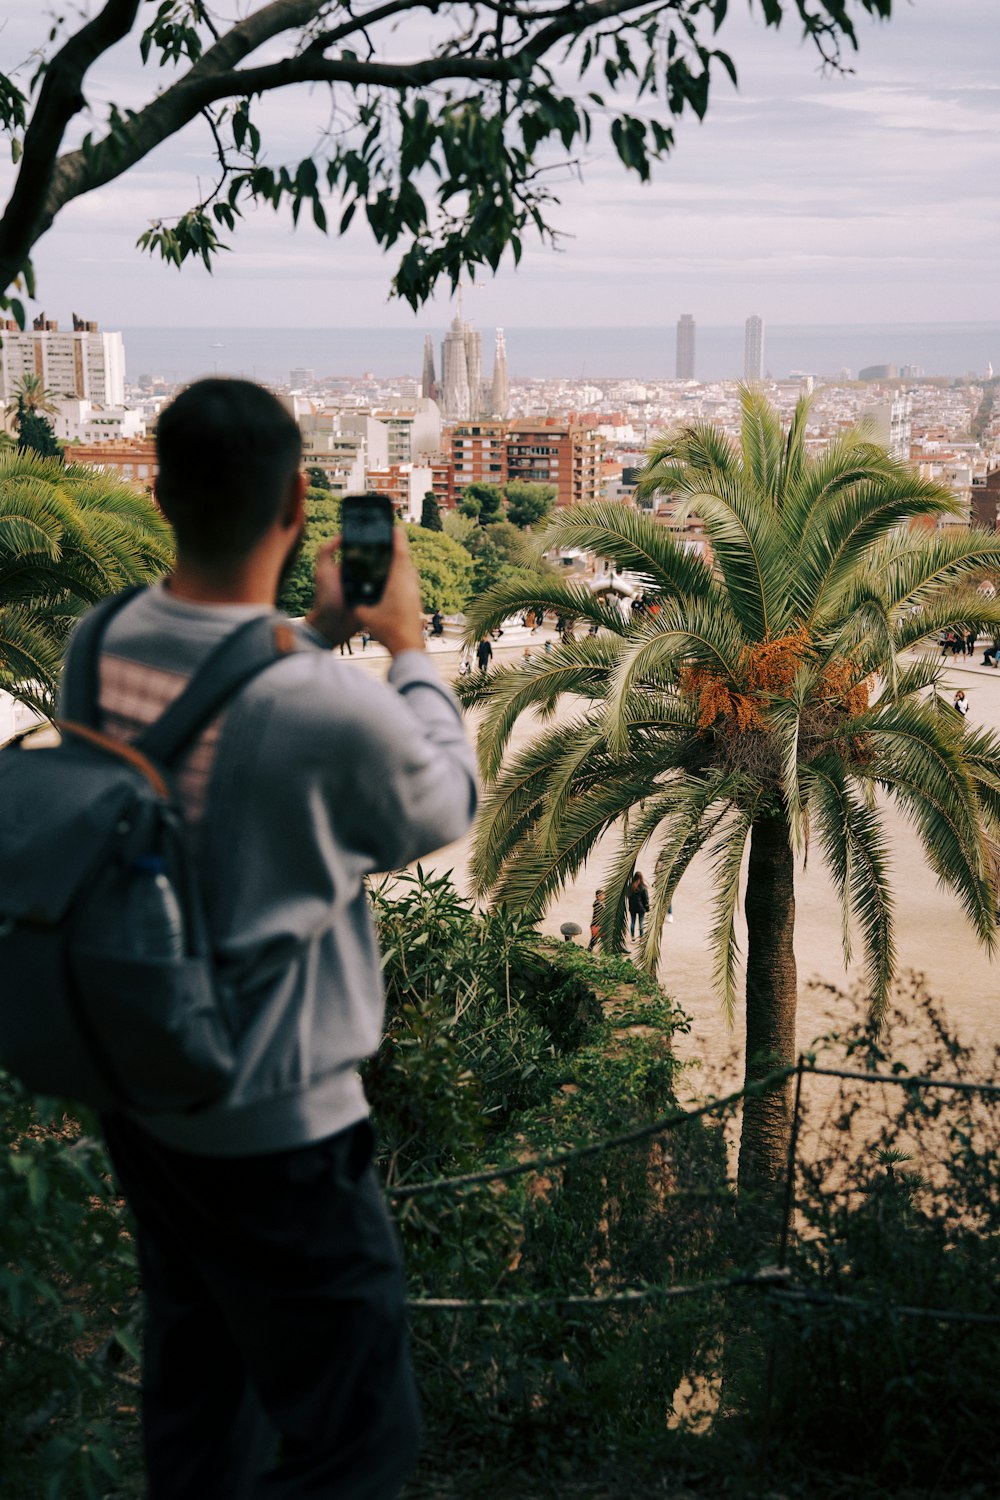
[227, 452]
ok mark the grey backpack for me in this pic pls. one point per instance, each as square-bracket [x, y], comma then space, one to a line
[107, 989]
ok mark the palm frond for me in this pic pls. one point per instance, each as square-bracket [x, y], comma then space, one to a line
[851, 521]
[577, 669]
[726, 855]
[762, 442]
[635, 543]
[509, 598]
[793, 460]
[701, 805]
[918, 759]
[853, 839]
[673, 454]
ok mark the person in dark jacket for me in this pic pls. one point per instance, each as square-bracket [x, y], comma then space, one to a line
[638, 904]
[484, 652]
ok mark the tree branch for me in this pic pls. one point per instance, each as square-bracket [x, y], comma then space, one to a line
[59, 99]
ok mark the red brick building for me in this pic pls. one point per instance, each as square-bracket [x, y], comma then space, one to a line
[985, 505]
[133, 459]
[478, 454]
[563, 454]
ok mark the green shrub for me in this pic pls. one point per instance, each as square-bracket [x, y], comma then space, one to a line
[67, 1305]
[533, 1064]
[900, 1208]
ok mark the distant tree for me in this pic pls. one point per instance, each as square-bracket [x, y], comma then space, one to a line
[489, 567]
[29, 394]
[430, 514]
[322, 522]
[35, 435]
[483, 502]
[445, 569]
[460, 528]
[527, 504]
[68, 537]
[499, 553]
[30, 406]
[317, 477]
[447, 150]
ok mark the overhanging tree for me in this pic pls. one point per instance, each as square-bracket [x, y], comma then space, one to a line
[448, 153]
[770, 702]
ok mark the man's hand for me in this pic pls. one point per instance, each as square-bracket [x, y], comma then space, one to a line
[396, 620]
[329, 614]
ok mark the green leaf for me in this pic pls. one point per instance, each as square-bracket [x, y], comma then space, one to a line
[128, 1341]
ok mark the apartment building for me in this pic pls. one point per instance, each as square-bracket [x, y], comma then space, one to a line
[413, 433]
[83, 422]
[345, 445]
[405, 484]
[985, 499]
[81, 363]
[891, 424]
[565, 455]
[478, 453]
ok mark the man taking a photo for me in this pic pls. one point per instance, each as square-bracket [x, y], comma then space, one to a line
[276, 1361]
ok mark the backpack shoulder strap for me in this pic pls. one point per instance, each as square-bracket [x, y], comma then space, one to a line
[243, 653]
[78, 695]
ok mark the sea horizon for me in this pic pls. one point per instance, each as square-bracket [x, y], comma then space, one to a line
[623, 352]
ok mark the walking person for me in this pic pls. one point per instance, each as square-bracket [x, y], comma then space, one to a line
[275, 1351]
[597, 912]
[484, 652]
[638, 904]
[961, 703]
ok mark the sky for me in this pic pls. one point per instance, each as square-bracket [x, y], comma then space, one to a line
[805, 198]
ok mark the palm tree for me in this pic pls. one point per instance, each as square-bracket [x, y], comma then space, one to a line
[772, 700]
[30, 406]
[68, 537]
[30, 394]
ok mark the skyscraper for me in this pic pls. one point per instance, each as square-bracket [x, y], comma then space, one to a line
[500, 397]
[753, 348]
[685, 347]
[428, 383]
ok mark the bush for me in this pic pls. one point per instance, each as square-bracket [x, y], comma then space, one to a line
[531, 1064]
[901, 1209]
[67, 1305]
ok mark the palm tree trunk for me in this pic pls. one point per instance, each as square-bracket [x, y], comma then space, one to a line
[772, 992]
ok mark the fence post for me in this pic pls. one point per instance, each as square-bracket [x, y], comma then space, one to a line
[793, 1146]
[786, 1223]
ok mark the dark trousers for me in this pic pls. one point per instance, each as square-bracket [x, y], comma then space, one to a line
[275, 1362]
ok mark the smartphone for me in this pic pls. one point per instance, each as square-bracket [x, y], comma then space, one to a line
[365, 546]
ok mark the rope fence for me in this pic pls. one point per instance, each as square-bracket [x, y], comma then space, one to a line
[676, 1118]
[775, 1280]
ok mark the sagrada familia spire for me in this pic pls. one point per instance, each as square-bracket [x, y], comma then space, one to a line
[428, 383]
[500, 402]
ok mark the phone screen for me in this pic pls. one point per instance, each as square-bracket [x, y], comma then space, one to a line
[366, 546]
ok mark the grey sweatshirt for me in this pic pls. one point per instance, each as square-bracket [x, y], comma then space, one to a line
[319, 776]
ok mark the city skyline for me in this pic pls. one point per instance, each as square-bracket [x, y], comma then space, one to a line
[809, 198]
